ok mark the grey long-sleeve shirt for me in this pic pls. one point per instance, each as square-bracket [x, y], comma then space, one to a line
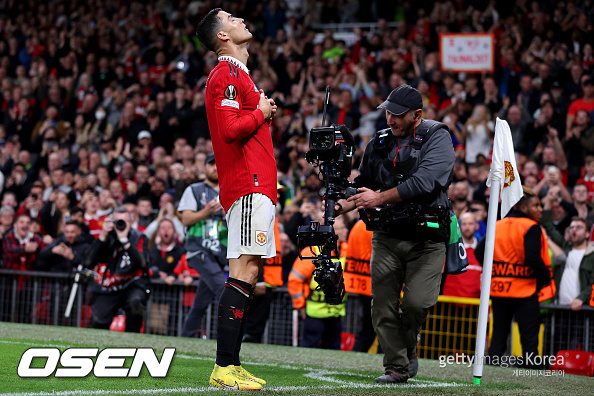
[428, 178]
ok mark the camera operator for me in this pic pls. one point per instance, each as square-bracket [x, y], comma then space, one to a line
[120, 256]
[409, 168]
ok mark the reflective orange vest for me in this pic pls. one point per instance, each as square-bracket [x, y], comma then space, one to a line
[273, 266]
[592, 297]
[511, 277]
[357, 269]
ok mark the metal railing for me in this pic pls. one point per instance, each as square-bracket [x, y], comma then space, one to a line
[41, 297]
[450, 328]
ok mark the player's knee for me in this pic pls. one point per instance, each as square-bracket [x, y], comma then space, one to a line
[252, 275]
[248, 271]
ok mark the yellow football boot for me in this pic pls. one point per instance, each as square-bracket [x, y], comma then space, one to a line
[244, 374]
[227, 377]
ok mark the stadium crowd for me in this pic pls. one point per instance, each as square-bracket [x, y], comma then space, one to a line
[103, 105]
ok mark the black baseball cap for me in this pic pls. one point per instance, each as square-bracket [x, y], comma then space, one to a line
[403, 99]
[209, 158]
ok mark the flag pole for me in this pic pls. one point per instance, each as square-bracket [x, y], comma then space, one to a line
[481, 334]
[503, 170]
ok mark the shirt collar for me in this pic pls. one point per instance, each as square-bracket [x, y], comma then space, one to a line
[28, 237]
[471, 245]
[167, 248]
[236, 62]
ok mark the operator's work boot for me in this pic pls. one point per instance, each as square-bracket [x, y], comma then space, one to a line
[413, 362]
[244, 374]
[226, 377]
[391, 378]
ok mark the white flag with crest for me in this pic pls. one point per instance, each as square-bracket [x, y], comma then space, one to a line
[504, 169]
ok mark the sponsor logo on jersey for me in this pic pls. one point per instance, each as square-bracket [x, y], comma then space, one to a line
[230, 103]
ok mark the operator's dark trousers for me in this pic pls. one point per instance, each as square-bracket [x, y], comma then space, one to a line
[132, 299]
[526, 312]
[210, 286]
[417, 266]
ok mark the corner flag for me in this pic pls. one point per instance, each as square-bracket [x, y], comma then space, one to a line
[504, 180]
[504, 169]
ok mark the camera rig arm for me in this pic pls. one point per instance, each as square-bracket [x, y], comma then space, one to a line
[331, 149]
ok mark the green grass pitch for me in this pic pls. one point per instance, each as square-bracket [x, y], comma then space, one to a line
[289, 371]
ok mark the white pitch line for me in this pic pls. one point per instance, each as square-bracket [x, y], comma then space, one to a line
[35, 344]
[280, 389]
[314, 373]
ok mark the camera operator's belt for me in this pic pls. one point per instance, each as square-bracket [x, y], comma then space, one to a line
[413, 222]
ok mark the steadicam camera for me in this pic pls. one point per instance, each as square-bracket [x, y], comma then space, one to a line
[331, 150]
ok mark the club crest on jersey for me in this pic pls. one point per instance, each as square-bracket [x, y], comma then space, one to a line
[260, 238]
[230, 92]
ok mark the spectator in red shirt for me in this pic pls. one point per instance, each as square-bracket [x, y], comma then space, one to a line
[167, 254]
[90, 203]
[21, 246]
[33, 204]
[588, 178]
[584, 103]
[6, 220]
[154, 71]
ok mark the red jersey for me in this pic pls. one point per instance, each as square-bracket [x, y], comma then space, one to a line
[580, 104]
[95, 224]
[241, 139]
[155, 71]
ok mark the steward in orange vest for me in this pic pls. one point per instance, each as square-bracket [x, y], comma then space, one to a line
[357, 280]
[273, 266]
[357, 271]
[521, 268]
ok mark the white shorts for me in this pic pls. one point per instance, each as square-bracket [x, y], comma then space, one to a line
[250, 223]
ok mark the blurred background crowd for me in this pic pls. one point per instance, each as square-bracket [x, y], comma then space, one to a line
[102, 102]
